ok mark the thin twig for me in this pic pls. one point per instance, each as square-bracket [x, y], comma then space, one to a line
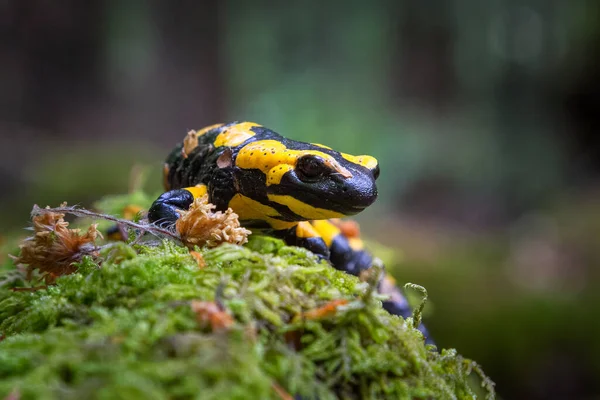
[82, 212]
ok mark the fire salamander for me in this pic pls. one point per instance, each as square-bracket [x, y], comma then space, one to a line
[285, 188]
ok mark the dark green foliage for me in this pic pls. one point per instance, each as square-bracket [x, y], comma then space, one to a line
[124, 329]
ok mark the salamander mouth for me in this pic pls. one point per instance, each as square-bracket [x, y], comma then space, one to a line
[346, 197]
[352, 210]
[349, 209]
[346, 203]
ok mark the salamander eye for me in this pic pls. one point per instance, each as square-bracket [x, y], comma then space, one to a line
[310, 167]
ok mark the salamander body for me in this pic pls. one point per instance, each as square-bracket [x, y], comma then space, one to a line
[289, 189]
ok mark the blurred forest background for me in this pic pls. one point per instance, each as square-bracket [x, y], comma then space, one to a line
[484, 116]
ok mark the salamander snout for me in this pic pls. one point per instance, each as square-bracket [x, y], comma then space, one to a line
[359, 191]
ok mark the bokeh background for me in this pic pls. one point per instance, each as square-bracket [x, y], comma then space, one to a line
[484, 115]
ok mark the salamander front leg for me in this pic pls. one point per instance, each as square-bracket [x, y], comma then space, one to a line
[304, 235]
[165, 209]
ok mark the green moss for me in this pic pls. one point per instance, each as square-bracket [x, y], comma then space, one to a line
[125, 329]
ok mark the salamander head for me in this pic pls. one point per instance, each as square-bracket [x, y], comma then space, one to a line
[312, 181]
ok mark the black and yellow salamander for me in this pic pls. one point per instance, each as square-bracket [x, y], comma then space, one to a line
[285, 188]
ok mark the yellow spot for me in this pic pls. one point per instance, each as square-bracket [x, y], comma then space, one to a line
[356, 244]
[305, 230]
[207, 129]
[276, 173]
[274, 159]
[321, 145]
[365, 161]
[197, 191]
[327, 230]
[117, 235]
[235, 134]
[390, 279]
[131, 210]
[249, 209]
[303, 209]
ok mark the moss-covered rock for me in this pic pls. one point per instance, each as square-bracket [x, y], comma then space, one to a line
[122, 326]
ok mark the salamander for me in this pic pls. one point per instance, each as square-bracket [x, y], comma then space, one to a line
[289, 189]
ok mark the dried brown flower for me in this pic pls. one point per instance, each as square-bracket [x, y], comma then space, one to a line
[201, 225]
[54, 248]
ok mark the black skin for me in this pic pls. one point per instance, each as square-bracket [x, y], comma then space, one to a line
[348, 260]
[314, 244]
[201, 167]
[164, 209]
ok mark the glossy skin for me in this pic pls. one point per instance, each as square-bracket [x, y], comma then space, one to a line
[289, 189]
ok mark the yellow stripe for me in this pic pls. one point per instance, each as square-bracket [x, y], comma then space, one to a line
[303, 209]
[356, 244]
[235, 134]
[249, 209]
[207, 129]
[197, 191]
[274, 159]
[365, 161]
[305, 230]
[321, 145]
[327, 230]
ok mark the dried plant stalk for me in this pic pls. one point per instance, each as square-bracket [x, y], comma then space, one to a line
[82, 212]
